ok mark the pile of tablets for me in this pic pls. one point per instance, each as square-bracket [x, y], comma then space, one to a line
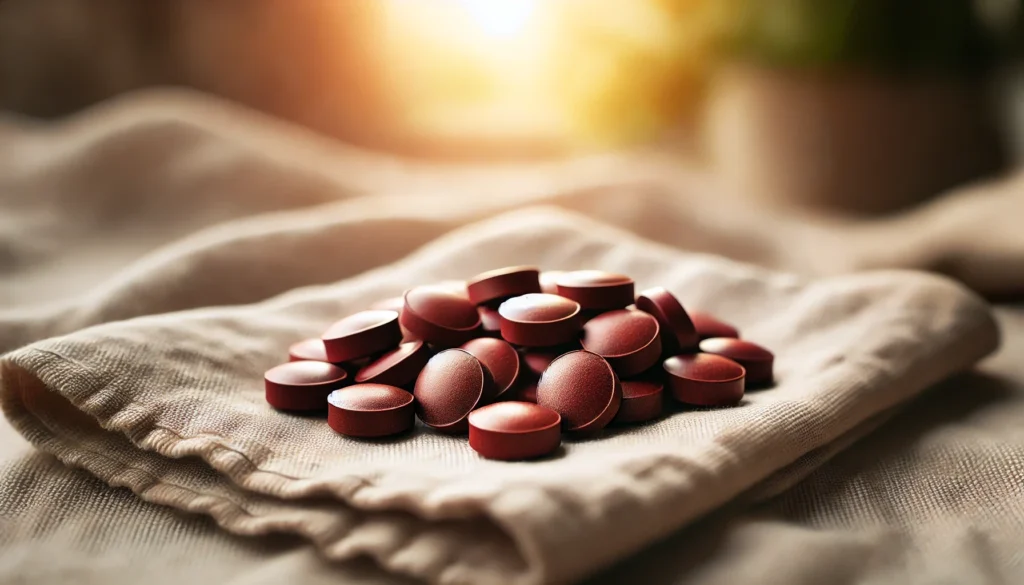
[515, 357]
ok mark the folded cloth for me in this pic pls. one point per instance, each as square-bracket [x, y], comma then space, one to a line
[171, 405]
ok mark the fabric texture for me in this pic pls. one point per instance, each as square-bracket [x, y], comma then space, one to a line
[152, 381]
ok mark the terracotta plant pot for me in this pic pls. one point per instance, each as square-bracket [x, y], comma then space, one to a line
[846, 141]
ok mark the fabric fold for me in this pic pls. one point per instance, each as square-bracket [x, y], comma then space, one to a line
[171, 407]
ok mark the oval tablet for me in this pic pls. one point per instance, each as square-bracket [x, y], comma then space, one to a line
[629, 340]
[303, 385]
[500, 359]
[449, 387]
[370, 410]
[708, 326]
[642, 400]
[503, 283]
[514, 430]
[398, 367]
[582, 388]
[439, 316]
[596, 289]
[362, 334]
[539, 320]
[705, 379]
[756, 360]
[678, 333]
[308, 349]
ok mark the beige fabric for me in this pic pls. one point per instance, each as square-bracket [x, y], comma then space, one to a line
[885, 511]
[175, 385]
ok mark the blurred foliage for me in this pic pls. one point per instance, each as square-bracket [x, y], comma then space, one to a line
[901, 35]
[630, 68]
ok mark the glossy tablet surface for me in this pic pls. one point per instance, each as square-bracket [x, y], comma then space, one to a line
[501, 360]
[514, 430]
[308, 349]
[539, 320]
[583, 389]
[362, 334]
[449, 387]
[596, 289]
[439, 316]
[370, 410]
[629, 339]
[757, 360]
[302, 385]
[398, 367]
[705, 379]
[678, 332]
[503, 283]
[709, 326]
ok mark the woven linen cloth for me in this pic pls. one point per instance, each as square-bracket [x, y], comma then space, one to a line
[169, 404]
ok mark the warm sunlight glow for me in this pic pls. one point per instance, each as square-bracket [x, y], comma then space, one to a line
[500, 18]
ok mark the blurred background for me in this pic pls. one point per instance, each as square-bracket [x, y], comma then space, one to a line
[863, 106]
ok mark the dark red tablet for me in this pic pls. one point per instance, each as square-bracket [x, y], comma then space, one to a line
[678, 334]
[514, 430]
[370, 410]
[501, 360]
[539, 320]
[596, 289]
[452, 385]
[629, 339]
[308, 349]
[756, 360]
[362, 334]
[709, 326]
[439, 316]
[303, 385]
[642, 400]
[705, 379]
[503, 283]
[398, 367]
[583, 388]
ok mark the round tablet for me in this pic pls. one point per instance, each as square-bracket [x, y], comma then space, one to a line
[514, 430]
[500, 359]
[583, 389]
[629, 340]
[677, 330]
[708, 326]
[490, 321]
[439, 316]
[548, 281]
[641, 401]
[596, 289]
[398, 367]
[539, 320]
[308, 349]
[705, 379]
[756, 360]
[302, 386]
[362, 334]
[370, 410]
[451, 385]
[503, 283]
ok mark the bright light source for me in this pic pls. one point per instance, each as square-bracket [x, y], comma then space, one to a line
[500, 18]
